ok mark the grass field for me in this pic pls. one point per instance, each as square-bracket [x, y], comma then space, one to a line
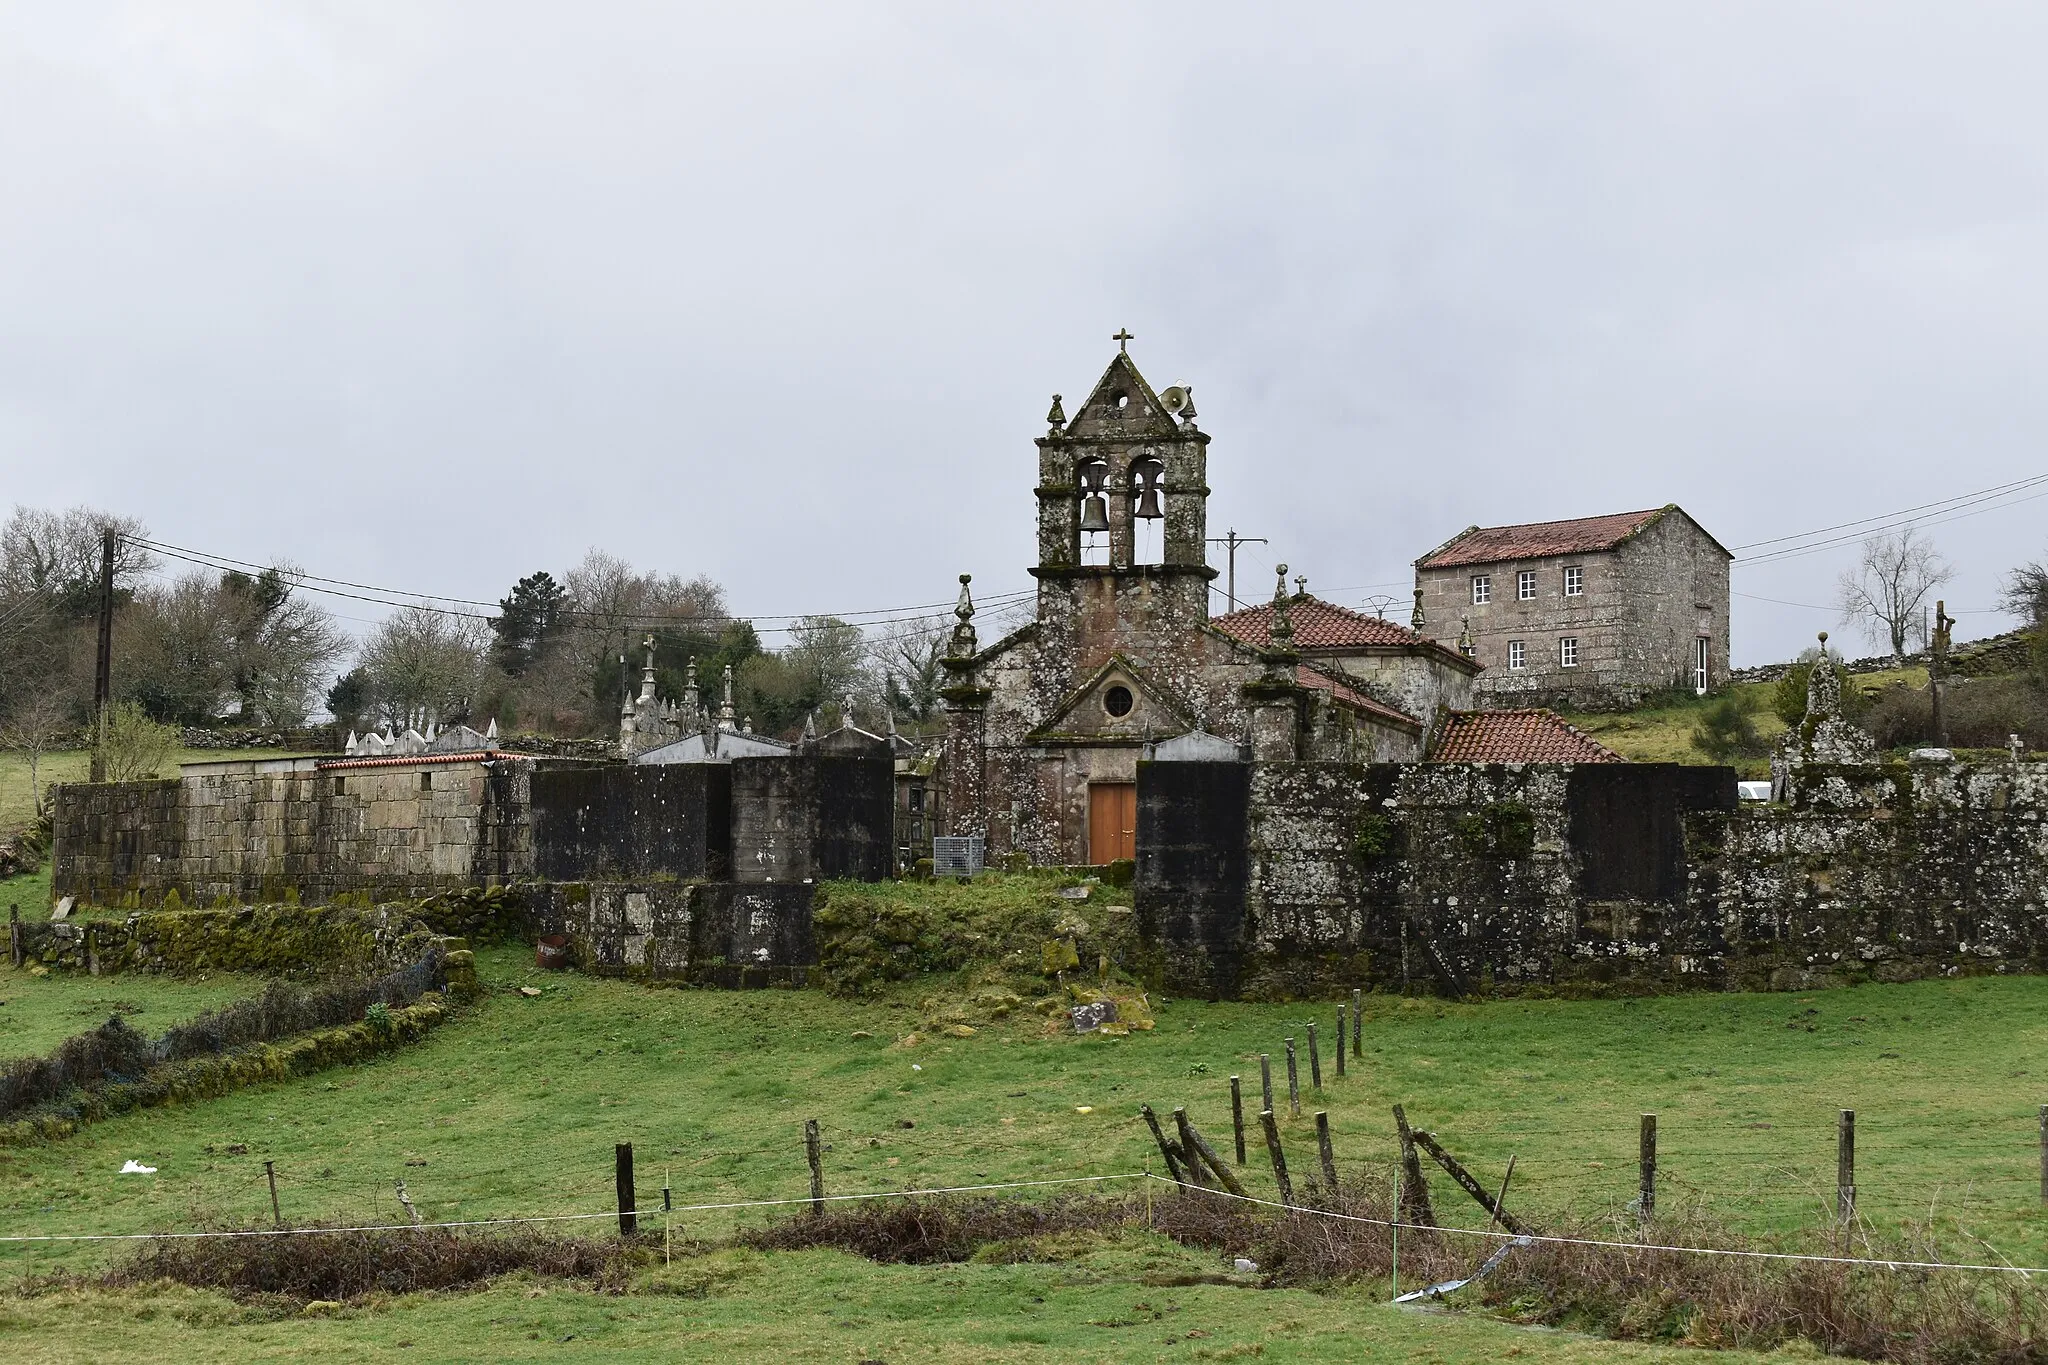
[513, 1110]
[1663, 733]
[38, 1012]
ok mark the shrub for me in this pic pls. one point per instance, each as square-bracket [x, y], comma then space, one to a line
[1982, 714]
[927, 1231]
[1788, 699]
[134, 746]
[1726, 730]
[349, 1265]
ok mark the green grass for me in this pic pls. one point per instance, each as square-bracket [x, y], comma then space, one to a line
[813, 1306]
[39, 1012]
[513, 1109]
[1662, 732]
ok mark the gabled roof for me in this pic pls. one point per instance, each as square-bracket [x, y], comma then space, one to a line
[1142, 414]
[1350, 696]
[1533, 736]
[1541, 539]
[1325, 625]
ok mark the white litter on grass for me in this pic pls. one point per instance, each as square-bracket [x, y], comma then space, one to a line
[1245, 1265]
[137, 1168]
[915, 1067]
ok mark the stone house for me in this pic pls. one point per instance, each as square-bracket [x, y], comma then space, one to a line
[1045, 727]
[1591, 613]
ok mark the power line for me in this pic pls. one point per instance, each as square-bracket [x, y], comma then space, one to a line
[396, 597]
[1886, 516]
[1991, 504]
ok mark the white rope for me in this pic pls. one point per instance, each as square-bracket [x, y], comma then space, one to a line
[1872, 1262]
[557, 1217]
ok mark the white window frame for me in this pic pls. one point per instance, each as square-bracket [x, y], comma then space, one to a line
[1574, 581]
[1525, 586]
[1568, 651]
[1482, 589]
[1518, 656]
[1702, 656]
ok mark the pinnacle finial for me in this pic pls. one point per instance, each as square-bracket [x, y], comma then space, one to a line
[964, 608]
[1056, 418]
[1282, 628]
[1416, 620]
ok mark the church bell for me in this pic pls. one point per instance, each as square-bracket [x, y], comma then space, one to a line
[1148, 497]
[1094, 513]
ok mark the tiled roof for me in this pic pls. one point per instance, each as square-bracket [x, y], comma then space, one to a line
[1318, 625]
[1535, 736]
[1491, 544]
[1350, 696]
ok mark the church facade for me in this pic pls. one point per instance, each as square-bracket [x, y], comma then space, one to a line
[1045, 727]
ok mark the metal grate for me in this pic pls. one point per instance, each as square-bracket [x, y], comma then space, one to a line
[956, 855]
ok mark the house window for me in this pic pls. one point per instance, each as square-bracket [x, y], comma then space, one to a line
[917, 798]
[1574, 581]
[1568, 652]
[1518, 657]
[1525, 586]
[1482, 589]
[1700, 653]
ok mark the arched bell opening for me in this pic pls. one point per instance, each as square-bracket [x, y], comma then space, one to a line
[1147, 485]
[1093, 476]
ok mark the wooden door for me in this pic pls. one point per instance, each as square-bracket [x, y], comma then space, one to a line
[1112, 821]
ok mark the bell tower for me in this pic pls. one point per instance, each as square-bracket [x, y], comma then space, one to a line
[1123, 498]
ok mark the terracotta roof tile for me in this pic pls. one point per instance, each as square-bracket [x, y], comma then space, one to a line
[1535, 736]
[1351, 696]
[1536, 539]
[1319, 625]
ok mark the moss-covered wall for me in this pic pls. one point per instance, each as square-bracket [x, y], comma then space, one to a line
[270, 940]
[697, 933]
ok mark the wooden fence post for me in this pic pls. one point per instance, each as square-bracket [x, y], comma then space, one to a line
[622, 1161]
[1266, 1079]
[1845, 1165]
[270, 1173]
[1237, 1126]
[1187, 1146]
[1358, 1024]
[1279, 1157]
[1200, 1153]
[1646, 1167]
[1412, 1204]
[1293, 1081]
[1315, 1059]
[814, 1150]
[1328, 1155]
[1167, 1149]
[1340, 1039]
[14, 948]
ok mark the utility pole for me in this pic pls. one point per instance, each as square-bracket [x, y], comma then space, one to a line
[1937, 671]
[1232, 540]
[103, 670]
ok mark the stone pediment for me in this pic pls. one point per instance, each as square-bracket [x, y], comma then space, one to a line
[1116, 705]
[1123, 407]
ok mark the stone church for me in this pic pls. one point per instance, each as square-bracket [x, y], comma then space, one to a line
[1045, 727]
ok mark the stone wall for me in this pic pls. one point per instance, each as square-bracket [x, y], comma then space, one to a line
[717, 934]
[1457, 879]
[411, 828]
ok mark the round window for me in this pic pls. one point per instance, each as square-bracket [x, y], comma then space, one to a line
[1117, 701]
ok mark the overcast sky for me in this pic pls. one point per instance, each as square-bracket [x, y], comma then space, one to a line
[432, 296]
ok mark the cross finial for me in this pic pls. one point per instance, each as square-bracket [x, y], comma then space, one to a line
[1123, 340]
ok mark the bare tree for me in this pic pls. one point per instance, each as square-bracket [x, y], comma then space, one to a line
[422, 660]
[611, 605]
[906, 658]
[1887, 591]
[2025, 593]
[33, 728]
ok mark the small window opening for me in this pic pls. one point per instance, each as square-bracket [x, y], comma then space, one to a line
[340, 786]
[917, 798]
[1118, 700]
[1123, 400]
[426, 782]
